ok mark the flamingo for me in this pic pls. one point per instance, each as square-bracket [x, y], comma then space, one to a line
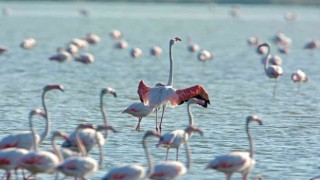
[80, 43]
[115, 34]
[3, 49]
[28, 43]
[23, 139]
[9, 158]
[136, 52]
[204, 55]
[134, 171]
[192, 47]
[174, 169]
[121, 44]
[139, 110]
[253, 41]
[80, 166]
[72, 49]
[88, 135]
[312, 44]
[159, 96]
[316, 177]
[290, 16]
[62, 153]
[272, 71]
[85, 58]
[299, 77]
[92, 38]
[237, 161]
[175, 139]
[61, 56]
[273, 60]
[155, 51]
[38, 161]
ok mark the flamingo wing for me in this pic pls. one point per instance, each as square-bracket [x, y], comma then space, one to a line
[126, 172]
[168, 170]
[196, 91]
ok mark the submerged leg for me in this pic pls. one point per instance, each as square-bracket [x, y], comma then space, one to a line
[163, 109]
[138, 126]
[177, 155]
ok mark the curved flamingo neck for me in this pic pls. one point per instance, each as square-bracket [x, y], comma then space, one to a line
[56, 150]
[79, 143]
[170, 81]
[266, 63]
[250, 139]
[188, 154]
[35, 144]
[149, 158]
[100, 147]
[190, 119]
[45, 133]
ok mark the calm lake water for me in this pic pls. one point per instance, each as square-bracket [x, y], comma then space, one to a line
[286, 146]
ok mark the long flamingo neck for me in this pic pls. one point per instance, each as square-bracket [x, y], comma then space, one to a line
[33, 134]
[149, 158]
[266, 63]
[170, 81]
[250, 139]
[190, 119]
[100, 147]
[45, 133]
[188, 154]
[79, 143]
[56, 150]
[104, 116]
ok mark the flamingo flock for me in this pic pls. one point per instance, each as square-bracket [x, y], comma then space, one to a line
[22, 150]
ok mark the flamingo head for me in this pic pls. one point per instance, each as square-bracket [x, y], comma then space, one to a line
[84, 126]
[60, 134]
[193, 128]
[254, 118]
[55, 86]
[108, 90]
[37, 112]
[105, 127]
[174, 40]
[196, 101]
[151, 133]
[260, 47]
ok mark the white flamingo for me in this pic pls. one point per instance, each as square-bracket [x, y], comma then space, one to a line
[88, 135]
[24, 139]
[134, 171]
[237, 161]
[3, 49]
[253, 41]
[61, 56]
[38, 161]
[9, 158]
[204, 55]
[299, 77]
[80, 43]
[175, 138]
[173, 169]
[155, 51]
[139, 110]
[28, 43]
[272, 71]
[192, 47]
[121, 44]
[85, 58]
[93, 38]
[160, 96]
[79, 166]
[115, 34]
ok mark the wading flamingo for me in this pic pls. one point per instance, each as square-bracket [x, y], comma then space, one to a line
[24, 139]
[160, 96]
[139, 110]
[204, 55]
[299, 77]
[115, 34]
[61, 56]
[155, 51]
[88, 135]
[192, 47]
[121, 44]
[85, 58]
[136, 52]
[134, 171]
[28, 43]
[272, 71]
[38, 161]
[175, 139]
[174, 169]
[92, 38]
[237, 161]
[79, 166]
[9, 158]
[3, 49]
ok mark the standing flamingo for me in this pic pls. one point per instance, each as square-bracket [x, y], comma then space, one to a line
[299, 77]
[85, 58]
[134, 171]
[28, 43]
[9, 158]
[23, 139]
[61, 56]
[192, 47]
[136, 52]
[38, 161]
[160, 96]
[175, 139]
[139, 110]
[241, 162]
[155, 51]
[174, 169]
[79, 166]
[272, 71]
[88, 135]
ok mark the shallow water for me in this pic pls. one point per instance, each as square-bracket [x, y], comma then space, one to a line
[286, 145]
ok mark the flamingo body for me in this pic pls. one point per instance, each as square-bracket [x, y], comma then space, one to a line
[139, 110]
[28, 43]
[204, 55]
[85, 58]
[168, 170]
[62, 56]
[22, 139]
[233, 162]
[155, 51]
[136, 52]
[3, 49]
[126, 172]
[78, 166]
[92, 38]
[9, 158]
[299, 76]
[274, 71]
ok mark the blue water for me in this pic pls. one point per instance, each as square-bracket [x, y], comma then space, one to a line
[286, 146]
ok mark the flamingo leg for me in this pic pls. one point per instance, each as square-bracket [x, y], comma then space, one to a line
[245, 176]
[275, 87]
[157, 119]
[163, 109]
[138, 126]
[299, 87]
[177, 155]
[228, 177]
[9, 175]
[167, 154]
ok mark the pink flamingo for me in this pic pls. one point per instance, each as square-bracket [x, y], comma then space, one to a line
[204, 55]
[174, 169]
[237, 161]
[312, 44]
[88, 135]
[134, 171]
[155, 51]
[116, 34]
[28, 43]
[136, 52]
[85, 58]
[38, 161]
[272, 71]
[9, 158]
[79, 166]
[175, 138]
[92, 38]
[253, 41]
[24, 139]
[80, 43]
[192, 47]
[299, 77]
[61, 56]
[121, 44]
[160, 96]
[3, 49]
